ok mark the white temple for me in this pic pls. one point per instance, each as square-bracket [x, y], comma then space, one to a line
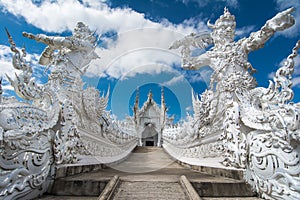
[150, 120]
[243, 127]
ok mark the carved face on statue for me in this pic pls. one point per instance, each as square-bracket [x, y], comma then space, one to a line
[223, 29]
[82, 31]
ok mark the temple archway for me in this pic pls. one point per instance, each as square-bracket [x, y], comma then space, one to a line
[149, 135]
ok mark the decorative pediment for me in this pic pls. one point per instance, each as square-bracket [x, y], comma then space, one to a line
[150, 103]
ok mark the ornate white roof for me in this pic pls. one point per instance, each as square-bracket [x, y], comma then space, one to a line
[149, 103]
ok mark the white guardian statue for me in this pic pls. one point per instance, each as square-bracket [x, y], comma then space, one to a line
[253, 128]
[60, 123]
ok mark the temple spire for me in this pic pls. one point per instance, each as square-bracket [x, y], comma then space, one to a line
[1, 91]
[150, 96]
[136, 105]
[162, 97]
[163, 108]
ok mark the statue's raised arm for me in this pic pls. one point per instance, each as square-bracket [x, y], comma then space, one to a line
[224, 46]
[201, 41]
[53, 41]
[279, 22]
[68, 56]
[81, 41]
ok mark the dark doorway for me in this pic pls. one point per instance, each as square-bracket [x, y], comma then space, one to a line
[149, 143]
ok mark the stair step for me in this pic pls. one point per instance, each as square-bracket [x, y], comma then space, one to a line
[223, 189]
[149, 190]
[54, 197]
[65, 187]
[161, 183]
[230, 198]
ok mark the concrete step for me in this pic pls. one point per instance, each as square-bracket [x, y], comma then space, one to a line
[230, 198]
[149, 190]
[147, 168]
[225, 188]
[205, 185]
[55, 197]
[79, 187]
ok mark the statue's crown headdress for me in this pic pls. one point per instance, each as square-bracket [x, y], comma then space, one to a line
[81, 27]
[225, 19]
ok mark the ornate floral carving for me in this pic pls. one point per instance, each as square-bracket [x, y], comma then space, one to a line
[67, 142]
[273, 168]
[234, 140]
[95, 106]
[26, 156]
[25, 163]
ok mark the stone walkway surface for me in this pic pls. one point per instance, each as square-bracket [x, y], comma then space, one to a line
[148, 173]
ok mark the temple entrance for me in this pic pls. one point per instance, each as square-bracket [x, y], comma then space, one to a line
[149, 143]
[149, 135]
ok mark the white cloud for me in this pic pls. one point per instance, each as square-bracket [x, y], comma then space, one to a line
[244, 31]
[297, 65]
[203, 3]
[175, 80]
[202, 75]
[189, 108]
[61, 15]
[271, 75]
[296, 82]
[5, 62]
[283, 4]
[7, 87]
[296, 77]
[136, 35]
[137, 51]
[8, 69]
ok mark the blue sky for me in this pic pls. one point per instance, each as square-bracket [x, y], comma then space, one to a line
[134, 40]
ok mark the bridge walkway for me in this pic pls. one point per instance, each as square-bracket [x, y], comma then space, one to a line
[148, 173]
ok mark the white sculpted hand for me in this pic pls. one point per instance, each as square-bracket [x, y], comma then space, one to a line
[282, 20]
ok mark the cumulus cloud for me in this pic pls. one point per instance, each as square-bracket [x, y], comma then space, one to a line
[5, 62]
[203, 3]
[62, 15]
[202, 75]
[271, 75]
[138, 41]
[189, 108]
[137, 51]
[7, 68]
[175, 80]
[297, 65]
[296, 82]
[139, 46]
[296, 77]
[7, 89]
[244, 31]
